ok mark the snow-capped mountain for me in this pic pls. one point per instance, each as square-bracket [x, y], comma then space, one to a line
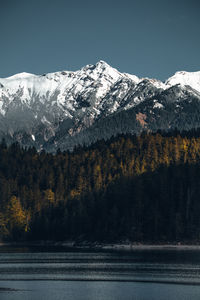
[63, 109]
[191, 79]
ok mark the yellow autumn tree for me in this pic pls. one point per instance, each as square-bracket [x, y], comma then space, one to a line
[16, 216]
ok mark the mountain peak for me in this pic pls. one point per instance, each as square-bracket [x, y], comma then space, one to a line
[99, 65]
[185, 78]
[102, 63]
[22, 75]
[102, 70]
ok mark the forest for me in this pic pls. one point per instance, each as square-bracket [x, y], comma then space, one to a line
[142, 188]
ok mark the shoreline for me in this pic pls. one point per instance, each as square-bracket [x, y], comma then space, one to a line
[102, 246]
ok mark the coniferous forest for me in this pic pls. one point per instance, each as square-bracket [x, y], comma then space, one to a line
[140, 188]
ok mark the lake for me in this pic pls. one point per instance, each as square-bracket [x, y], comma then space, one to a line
[56, 273]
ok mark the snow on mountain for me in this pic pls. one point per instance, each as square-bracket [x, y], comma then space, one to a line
[183, 78]
[66, 85]
[36, 108]
[83, 94]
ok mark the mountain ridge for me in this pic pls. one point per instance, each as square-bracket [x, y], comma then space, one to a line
[36, 110]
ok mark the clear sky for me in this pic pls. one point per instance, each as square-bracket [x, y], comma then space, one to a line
[152, 38]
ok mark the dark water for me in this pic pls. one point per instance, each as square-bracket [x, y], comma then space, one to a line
[59, 273]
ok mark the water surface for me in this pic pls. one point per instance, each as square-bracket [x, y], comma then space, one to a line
[60, 273]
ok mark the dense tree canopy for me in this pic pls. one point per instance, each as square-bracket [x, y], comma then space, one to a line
[142, 188]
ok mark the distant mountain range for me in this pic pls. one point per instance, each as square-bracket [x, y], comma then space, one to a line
[65, 109]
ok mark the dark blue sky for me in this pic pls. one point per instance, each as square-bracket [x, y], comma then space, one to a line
[153, 38]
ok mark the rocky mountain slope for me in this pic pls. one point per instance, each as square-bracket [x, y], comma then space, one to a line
[64, 109]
